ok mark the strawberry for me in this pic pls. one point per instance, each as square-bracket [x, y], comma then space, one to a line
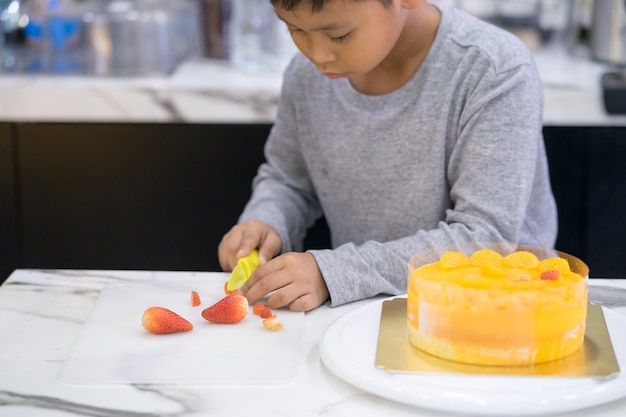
[229, 292]
[551, 275]
[195, 299]
[159, 320]
[267, 312]
[229, 310]
[258, 309]
[272, 323]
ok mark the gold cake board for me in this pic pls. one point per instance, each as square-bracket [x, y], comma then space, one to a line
[394, 353]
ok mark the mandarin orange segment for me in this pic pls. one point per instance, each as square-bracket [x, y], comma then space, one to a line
[492, 270]
[486, 257]
[521, 259]
[572, 276]
[557, 263]
[478, 282]
[450, 260]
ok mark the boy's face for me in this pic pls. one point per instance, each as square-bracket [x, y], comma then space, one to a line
[347, 38]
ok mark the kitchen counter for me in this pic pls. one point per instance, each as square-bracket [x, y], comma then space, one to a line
[211, 91]
[42, 313]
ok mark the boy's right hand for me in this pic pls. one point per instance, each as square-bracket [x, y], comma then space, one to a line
[244, 238]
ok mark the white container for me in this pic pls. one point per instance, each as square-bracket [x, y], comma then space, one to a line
[253, 35]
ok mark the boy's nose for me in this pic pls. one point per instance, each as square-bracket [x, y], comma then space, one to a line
[319, 53]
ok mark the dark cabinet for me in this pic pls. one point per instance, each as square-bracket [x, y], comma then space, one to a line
[8, 215]
[161, 196]
[606, 203]
[112, 196]
[567, 150]
[588, 173]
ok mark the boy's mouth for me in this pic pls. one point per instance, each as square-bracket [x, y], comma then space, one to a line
[334, 75]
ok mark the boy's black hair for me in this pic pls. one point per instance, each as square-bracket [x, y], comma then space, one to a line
[316, 5]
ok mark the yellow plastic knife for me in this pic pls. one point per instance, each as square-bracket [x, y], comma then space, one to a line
[242, 271]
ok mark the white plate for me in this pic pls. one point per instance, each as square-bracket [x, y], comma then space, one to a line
[348, 349]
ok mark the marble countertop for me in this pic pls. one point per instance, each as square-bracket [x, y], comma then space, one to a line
[43, 311]
[211, 91]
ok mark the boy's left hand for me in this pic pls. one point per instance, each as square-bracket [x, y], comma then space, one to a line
[295, 280]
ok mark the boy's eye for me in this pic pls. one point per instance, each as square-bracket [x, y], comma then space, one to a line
[339, 39]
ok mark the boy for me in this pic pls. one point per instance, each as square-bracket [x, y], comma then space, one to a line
[409, 127]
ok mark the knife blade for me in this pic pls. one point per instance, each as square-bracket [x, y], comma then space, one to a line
[246, 265]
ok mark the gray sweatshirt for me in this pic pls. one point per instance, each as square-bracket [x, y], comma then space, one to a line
[455, 155]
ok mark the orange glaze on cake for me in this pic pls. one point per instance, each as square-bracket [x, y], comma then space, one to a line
[493, 310]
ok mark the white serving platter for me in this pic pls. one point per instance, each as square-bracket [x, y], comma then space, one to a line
[348, 349]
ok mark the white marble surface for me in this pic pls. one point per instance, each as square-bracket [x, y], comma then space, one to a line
[205, 91]
[213, 92]
[42, 313]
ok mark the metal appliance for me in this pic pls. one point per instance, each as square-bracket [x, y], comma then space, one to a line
[608, 44]
[608, 31]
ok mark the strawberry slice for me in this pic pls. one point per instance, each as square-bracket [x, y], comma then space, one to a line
[267, 312]
[195, 299]
[159, 320]
[229, 310]
[258, 309]
[272, 323]
[551, 275]
[227, 292]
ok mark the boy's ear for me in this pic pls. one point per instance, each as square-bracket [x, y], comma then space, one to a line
[410, 4]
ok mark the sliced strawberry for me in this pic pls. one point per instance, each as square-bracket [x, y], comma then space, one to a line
[159, 320]
[258, 309]
[229, 310]
[229, 292]
[551, 275]
[195, 299]
[267, 312]
[272, 323]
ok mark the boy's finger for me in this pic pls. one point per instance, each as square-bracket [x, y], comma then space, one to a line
[226, 250]
[249, 241]
[265, 279]
[269, 248]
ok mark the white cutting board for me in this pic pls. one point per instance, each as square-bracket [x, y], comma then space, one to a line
[114, 348]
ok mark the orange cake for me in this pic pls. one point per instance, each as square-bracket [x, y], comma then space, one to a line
[489, 309]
